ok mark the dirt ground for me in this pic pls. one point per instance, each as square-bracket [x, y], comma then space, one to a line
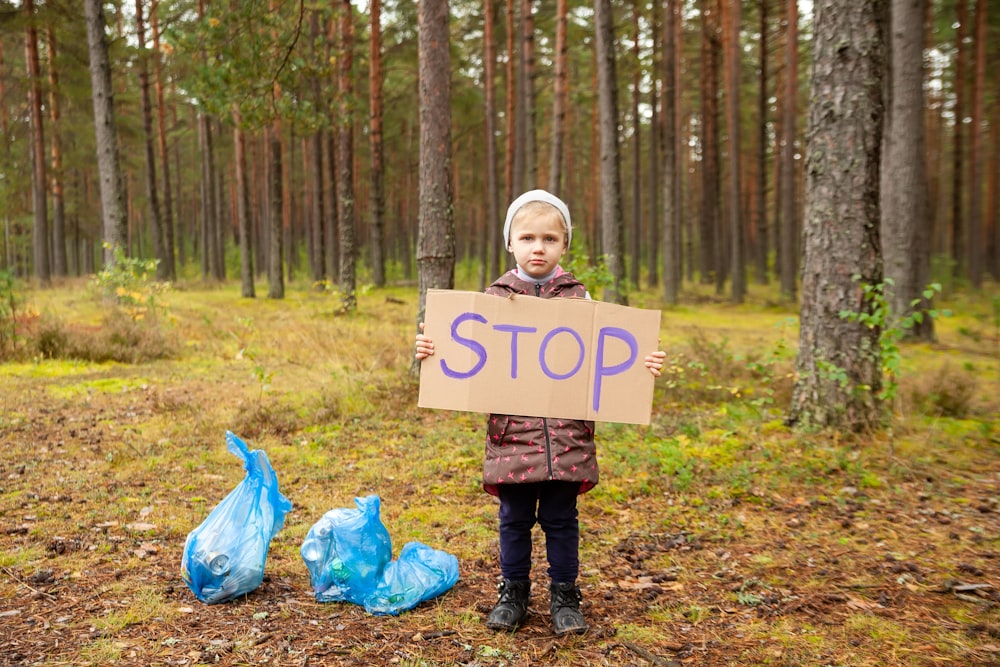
[821, 573]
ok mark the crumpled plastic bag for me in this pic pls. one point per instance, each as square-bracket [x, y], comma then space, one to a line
[345, 552]
[348, 554]
[224, 557]
[421, 573]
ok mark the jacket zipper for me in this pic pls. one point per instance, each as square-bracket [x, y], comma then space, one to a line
[545, 422]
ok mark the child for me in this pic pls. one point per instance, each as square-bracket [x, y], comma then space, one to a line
[537, 232]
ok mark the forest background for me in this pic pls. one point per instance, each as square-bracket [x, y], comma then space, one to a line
[244, 141]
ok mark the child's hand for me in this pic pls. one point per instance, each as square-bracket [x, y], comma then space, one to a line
[425, 346]
[654, 362]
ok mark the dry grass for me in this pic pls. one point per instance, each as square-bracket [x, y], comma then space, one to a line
[717, 535]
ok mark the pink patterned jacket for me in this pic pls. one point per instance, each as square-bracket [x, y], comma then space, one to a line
[536, 449]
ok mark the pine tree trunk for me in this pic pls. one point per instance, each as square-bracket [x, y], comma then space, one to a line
[635, 229]
[560, 100]
[976, 246]
[59, 261]
[152, 191]
[761, 245]
[839, 375]
[671, 221]
[732, 54]
[905, 215]
[530, 134]
[436, 231]
[789, 246]
[108, 164]
[709, 241]
[275, 270]
[168, 261]
[612, 228]
[40, 228]
[493, 249]
[345, 161]
[958, 142]
[243, 208]
[377, 238]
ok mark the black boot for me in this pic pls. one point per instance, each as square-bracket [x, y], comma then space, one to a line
[512, 606]
[565, 607]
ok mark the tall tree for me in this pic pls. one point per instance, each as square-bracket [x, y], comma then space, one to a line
[788, 248]
[612, 228]
[492, 245]
[275, 268]
[976, 246]
[377, 237]
[635, 228]
[168, 261]
[905, 214]
[760, 239]
[958, 227]
[108, 162]
[671, 220]
[732, 52]
[560, 100]
[345, 160]
[839, 373]
[59, 261]
[243, 207]
[152, 191]
[40, 228]
[709, 241]
[436, 231]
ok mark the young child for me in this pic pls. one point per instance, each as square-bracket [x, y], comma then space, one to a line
[537, 232]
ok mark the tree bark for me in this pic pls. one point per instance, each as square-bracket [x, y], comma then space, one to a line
[732, 53]
[839, 375]
[905, 215]
[612, 228]
[59, 260]
[976, 246]
[275, 270]
[377, 237]
[958, 230]
[159, 250]
[493, 249]
[760, 242]
[789, 247]
[108, 163]
[168, 261]
[671, 221]
[636, 226]
[709, 242]
[560, 100]
[436, 232]
[40, 228]
[345, 161]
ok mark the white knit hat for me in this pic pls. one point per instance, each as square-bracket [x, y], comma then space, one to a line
[537, 195]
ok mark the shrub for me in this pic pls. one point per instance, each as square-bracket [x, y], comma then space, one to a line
[948, 392]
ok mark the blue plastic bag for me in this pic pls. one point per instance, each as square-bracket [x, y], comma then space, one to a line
[224, 557]
[348, 554]
[346, 551]
[421, 573]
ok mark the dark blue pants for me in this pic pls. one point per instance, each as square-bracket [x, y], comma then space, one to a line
[553, 506]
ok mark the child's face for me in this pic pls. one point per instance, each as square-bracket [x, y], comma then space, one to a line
[537, 240]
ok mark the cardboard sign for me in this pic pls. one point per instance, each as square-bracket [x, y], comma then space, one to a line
[565, 358]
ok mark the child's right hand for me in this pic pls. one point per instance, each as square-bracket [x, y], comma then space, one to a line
[425, 346]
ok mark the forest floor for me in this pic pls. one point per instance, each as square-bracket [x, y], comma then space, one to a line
[717, 536]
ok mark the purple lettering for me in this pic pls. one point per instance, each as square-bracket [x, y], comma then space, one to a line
[513, 330]
[545, 342]
[469, 343]
[601, 371]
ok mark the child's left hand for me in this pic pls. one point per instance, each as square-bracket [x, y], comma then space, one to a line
[654, 362]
